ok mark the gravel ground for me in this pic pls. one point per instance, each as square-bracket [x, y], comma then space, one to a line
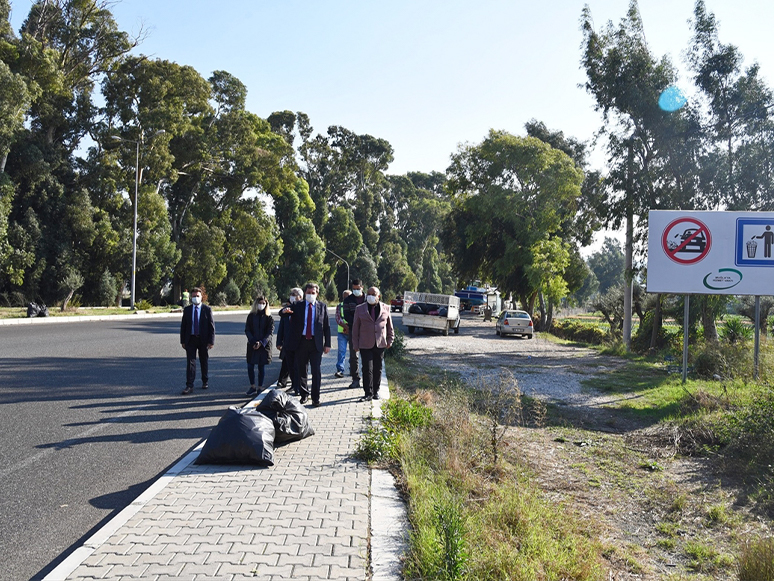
[543, 369]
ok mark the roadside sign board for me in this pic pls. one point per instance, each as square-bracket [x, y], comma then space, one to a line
[711, 252]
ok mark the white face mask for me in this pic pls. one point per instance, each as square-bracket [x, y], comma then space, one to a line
[357, 292]
[372, 299]
[311, 298]
[293, 299]
[261, 306]
[196, 300]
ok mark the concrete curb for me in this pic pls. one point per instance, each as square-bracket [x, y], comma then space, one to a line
[88, 318]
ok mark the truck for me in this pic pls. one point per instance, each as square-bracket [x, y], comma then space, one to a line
[431, 311]
[396, 304]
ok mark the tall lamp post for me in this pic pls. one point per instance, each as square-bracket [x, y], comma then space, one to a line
[344, 261]
[137, 178]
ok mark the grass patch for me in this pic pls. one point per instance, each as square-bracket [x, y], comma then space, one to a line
[704, 558]
[474, 510]
[756, 560]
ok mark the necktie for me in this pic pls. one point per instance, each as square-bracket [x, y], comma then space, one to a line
[196, 321]
[309, 322]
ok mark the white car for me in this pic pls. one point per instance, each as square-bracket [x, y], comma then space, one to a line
[514, 323]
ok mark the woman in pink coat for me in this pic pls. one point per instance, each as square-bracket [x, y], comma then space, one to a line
[372, 334]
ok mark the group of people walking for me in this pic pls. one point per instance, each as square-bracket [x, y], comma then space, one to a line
[303, 337]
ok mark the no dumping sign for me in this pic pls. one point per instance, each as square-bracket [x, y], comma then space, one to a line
[686, 240]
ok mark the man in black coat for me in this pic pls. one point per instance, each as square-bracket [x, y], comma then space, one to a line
[309, 341]
[350, 303]
[197, 335]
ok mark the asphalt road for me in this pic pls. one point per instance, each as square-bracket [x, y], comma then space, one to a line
[91, 415]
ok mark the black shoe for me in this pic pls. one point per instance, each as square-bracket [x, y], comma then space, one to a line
[376, 396]
[338, 374]
[315, 404]
[365, 398]
[355, 384]
[304, 399]
[251, 391]
[205, 386]
[187, 391]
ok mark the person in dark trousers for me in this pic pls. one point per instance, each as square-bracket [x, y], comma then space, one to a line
[354, 300]
[197, 335]
[288, 369]
[310, 338]
[372, 334]
[259, 329]
[343, 335]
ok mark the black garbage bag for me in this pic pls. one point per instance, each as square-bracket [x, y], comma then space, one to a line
[33, 310]
[242, 436]
[42, 310]
[291, 422]
[417, 308]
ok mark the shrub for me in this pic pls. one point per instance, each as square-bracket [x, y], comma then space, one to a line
[143, 305]
[726, 360]
[232, 293]
[107, 291]
[220, 299]
[398, 348]
[668, 338]
[735, 331]
[574, 330]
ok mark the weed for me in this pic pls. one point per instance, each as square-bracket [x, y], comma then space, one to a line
[668, 529]
[717, 514]
[704, 558]
[666, 544]
[450, 529]
[756, 560]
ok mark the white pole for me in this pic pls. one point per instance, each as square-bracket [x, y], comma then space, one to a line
[134, 232]
[757, 335]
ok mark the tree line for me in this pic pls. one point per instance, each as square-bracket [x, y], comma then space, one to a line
[241, 204]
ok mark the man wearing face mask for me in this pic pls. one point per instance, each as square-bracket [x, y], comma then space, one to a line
[350, 303]
[372, 334]
[309, 337]
[288, 369]
[197, 335]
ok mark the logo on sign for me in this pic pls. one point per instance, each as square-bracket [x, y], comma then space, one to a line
[686, 240]
[723, 279]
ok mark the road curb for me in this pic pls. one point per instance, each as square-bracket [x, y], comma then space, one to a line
[91, 318]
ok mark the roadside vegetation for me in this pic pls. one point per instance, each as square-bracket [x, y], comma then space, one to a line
[503, 486]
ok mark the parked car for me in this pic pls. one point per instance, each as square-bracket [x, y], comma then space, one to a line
[514, 323]
[396, 304]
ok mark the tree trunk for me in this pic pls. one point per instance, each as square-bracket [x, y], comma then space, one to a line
[67, 299]
[657, 323]
[542, 300]
[3, 160]
[708, 322]
[549, 315]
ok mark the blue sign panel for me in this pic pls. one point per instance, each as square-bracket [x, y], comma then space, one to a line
[754, 242]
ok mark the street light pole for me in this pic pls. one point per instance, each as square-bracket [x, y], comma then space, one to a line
[136, 200]
[344, 261]
[134, 231]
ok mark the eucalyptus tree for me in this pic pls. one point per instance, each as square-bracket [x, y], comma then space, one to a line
[511, 196]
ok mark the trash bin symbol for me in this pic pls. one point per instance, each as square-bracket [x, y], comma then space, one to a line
[752, 246]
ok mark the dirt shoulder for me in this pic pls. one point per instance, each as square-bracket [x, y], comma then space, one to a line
[663, 516]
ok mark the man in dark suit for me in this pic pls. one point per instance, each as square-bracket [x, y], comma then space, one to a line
[197, 335]
[309, 338]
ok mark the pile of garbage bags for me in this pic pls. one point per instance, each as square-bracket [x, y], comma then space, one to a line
[428, 309]
[248, 435]
[36, 310]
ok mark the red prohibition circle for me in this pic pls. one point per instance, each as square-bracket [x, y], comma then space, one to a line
[686, 240]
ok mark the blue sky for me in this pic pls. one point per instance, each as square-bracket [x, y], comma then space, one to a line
[425, 75]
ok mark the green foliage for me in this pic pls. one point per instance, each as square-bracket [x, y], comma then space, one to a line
[107, 291]
[583, 332]
[756, 560]
[143, 305]
[232, 293]
[220, 299]
[727, 360]
[669, 338]
[735, 331]
[399, 416]
[607, 264]
[450, 530]
[398, 348]
[493, 229]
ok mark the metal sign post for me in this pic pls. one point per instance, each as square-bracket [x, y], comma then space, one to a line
[757, 335]
[686, 321]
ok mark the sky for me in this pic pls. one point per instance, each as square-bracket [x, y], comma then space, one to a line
[426, 76]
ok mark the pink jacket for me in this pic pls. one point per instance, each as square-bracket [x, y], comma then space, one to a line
[367, 333]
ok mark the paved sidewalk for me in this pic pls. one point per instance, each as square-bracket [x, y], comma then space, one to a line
[305, 518]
